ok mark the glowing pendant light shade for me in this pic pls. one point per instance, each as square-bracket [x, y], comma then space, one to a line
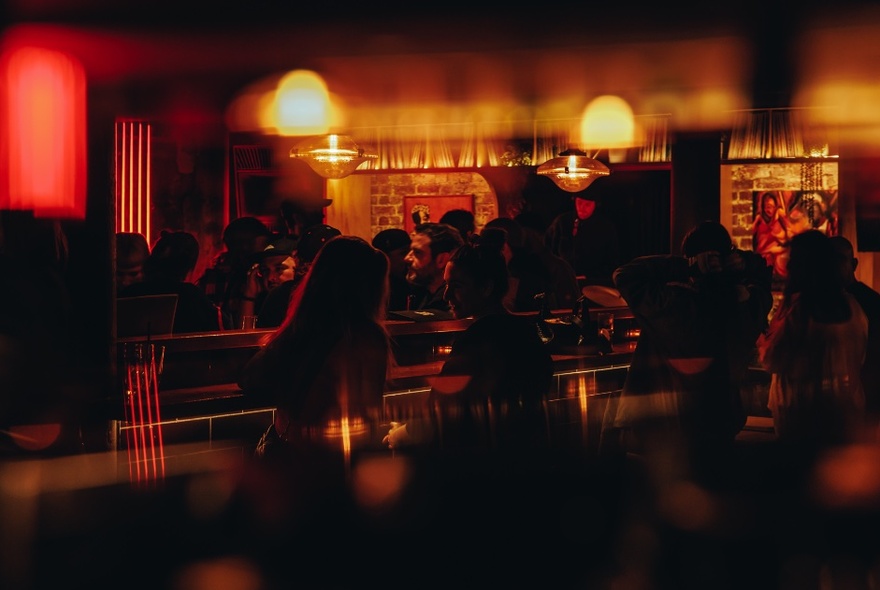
[573, 171]
[331, 156]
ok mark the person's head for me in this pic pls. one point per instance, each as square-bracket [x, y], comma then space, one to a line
[813, 267]
[347, 282]
[298, 215]
[132, 251]
[516, 239]
[173, 257]
[432, 245]
[462, 220]
[395, 244]
[497, 238]
[706, 236]
[311, 242]
[244, 237]
[584, 207]
[769, 205]
[847, 258]
[476, 280]
[276, 262]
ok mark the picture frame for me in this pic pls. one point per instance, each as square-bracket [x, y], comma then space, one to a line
[779, 215]
[430, 208]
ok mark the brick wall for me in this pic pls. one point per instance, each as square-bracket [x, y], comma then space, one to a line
[387, 192]
[747, 178]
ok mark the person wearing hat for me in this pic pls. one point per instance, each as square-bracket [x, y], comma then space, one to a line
[274, 308]
[272, 266]
[395, 244]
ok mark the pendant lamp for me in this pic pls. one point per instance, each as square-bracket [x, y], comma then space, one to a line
[331, 156]
[573, 170]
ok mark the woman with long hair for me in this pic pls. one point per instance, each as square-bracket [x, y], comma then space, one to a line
[814, 349]
[325, 367]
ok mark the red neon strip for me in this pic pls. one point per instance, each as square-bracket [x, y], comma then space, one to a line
[154, 391]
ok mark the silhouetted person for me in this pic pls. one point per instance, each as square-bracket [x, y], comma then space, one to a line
[490, 391]
[168, 270]
[869, 300]
[275, 306]
[587, 239]
[224, 282]
[462, 220]
[535, 270]
[395, 243]
[327, 363]
[132, 251]
[814, 350]
[700, 315]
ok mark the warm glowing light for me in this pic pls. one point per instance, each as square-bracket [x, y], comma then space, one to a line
[573, 171]
[331, 156]
[146, 449]
[42, 132]
[607, 122]
[302, 104]
[133, 154]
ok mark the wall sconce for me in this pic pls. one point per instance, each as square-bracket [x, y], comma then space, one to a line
[573, 170]
[331, 156]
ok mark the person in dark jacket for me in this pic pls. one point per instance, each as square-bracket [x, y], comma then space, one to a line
[490, 391]
[700, 316]
[168, 270]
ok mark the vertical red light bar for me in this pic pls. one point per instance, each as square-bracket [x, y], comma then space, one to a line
[42, 132]
[133, 160]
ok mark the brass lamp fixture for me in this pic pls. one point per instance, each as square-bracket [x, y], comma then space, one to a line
[331, 156]
[573, 170]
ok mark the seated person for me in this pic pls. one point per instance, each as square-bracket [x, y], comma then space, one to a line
[168, 270]
[274, 307]
[490, 391]
[432, 245]
[273, 266]
[132, 251]
[395, 244]
[462, 220]
[224, 281]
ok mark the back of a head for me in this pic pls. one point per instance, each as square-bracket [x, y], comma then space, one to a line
[444, 237]
[484, 264]
[814, 273]
[132, 249]
[462, 220]
[243, 231]
[494, 237]
[389, 240]
[347, 281]
[706, 236]
[173, 256]
[313, 239]
[515, 235]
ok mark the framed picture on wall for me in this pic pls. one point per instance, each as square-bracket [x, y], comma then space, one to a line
[430, 208]
[780, 215]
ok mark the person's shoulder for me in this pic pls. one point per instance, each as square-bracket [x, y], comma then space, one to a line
[866, 296]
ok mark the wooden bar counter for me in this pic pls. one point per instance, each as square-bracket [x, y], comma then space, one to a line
[200, 400]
